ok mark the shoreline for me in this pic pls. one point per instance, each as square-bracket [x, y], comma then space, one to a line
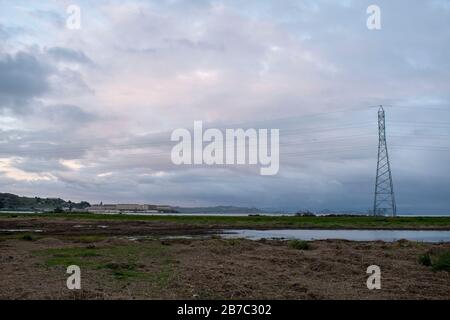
[71, 226]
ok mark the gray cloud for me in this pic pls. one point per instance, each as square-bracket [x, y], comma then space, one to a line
[10, 32]
[3, 33]
[22, 78]
[68, 55]
[66, 114]
[52, 17]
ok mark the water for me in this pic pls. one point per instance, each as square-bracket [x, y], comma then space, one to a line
[19, 230]
[354, 235]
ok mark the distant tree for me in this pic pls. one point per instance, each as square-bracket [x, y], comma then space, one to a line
[84, 204]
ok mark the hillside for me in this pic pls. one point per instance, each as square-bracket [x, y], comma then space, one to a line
[9, 201]
[218, 209]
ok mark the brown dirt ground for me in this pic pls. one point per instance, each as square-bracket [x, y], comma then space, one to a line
[116, 268]
[70, 226]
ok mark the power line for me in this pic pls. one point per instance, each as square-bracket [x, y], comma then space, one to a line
[420, 108]
[59, 150]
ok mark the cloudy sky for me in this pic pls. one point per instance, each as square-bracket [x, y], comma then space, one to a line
[86, 114]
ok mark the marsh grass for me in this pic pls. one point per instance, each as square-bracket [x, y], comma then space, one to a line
[332, 222]
[122, 262]
[27, 237]
[425, 259]
[442, 262]
[85, 238]
[438, 261]
[299, 244]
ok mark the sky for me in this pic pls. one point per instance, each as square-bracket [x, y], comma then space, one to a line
[87, 113]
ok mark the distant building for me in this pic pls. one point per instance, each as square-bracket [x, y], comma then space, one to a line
[141, 208]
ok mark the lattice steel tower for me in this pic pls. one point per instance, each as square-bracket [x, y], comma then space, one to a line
[384, 202]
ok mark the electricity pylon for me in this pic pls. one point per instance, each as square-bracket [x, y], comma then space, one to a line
[384, 202]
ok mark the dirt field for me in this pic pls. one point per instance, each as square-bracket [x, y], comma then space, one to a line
[115, 267]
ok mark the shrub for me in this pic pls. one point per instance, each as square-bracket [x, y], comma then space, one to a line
[442, 262]
[425, 259]
[298, 244]
[27, 237]
[438, 261]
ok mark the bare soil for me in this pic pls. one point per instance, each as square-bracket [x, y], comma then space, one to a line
[74, 227]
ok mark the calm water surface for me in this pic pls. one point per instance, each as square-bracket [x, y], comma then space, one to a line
[355, 235]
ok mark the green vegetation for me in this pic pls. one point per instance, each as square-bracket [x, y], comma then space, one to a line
[439, 261]
[27, 237]
[122, 262]
[68, 256]
[325, 222]
[425, 259]
[19, 236]
[84, 238]
[232, 242]
[9, 201]
[442, 262]
[299, 244]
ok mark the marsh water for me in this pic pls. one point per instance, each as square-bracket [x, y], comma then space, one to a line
[354, 235]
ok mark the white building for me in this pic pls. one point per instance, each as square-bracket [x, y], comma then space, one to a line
[125, 207]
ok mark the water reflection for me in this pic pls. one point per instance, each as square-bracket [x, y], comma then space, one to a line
[354, 235]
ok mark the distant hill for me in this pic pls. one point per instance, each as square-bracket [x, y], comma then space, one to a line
[218, 209]
[9, 201]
